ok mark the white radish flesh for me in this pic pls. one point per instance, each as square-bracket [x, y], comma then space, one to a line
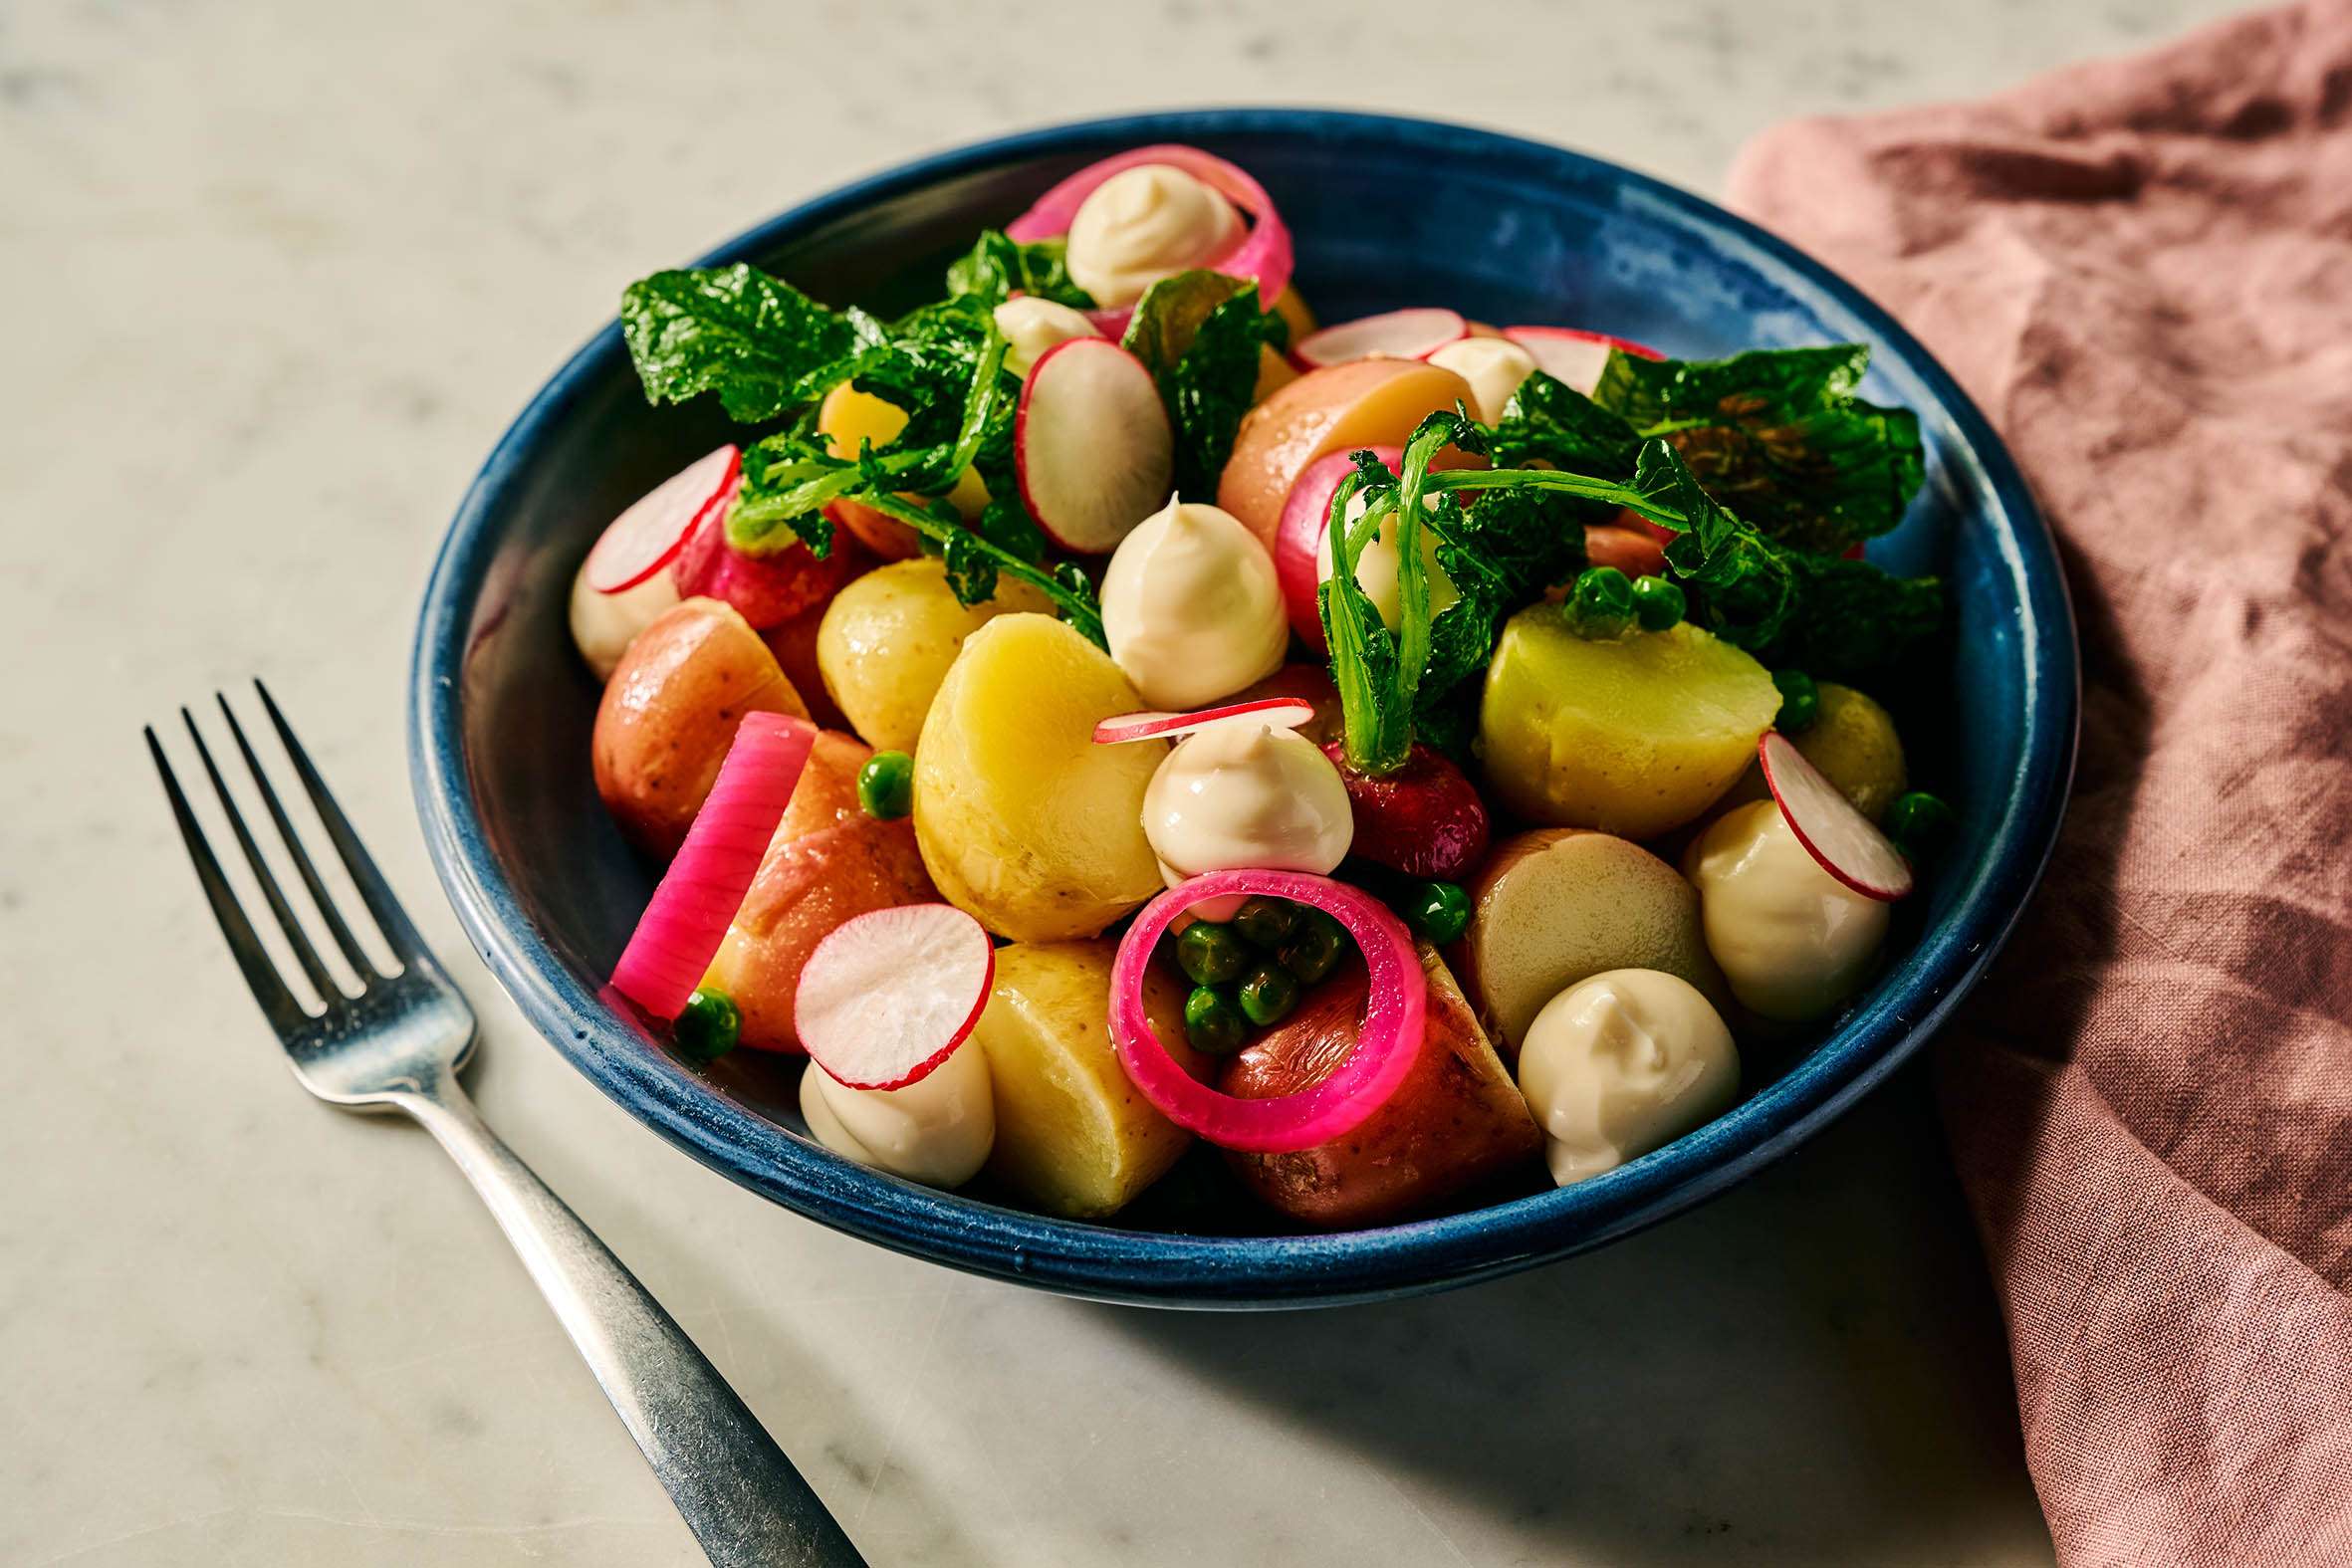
[1091, 444]
[1845, 842]
[887, 995]
[1394, 335]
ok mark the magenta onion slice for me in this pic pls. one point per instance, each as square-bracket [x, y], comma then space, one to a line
[1412, 333]
[1389, 1040]
[1276, 713]
[1571, 356]
[1263, 254]
[890, 994]
[1832, 828]
[648, 536]
[680, 932]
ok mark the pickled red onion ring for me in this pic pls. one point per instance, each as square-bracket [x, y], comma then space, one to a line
[1263, 254]
[680, 932]
[1389, 1040]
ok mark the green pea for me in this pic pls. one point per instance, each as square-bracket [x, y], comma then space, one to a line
[1265, 922]
[708, 1027]
[1440, 911]
[1657, 603]
[1600, 607]
[1920, 823]
[1212, 1023]
[1268, 994]
[1800, 700]
[1210, 954]
[1314, 948]
[886, 784]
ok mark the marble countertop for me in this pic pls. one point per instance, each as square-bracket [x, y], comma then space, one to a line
[281, 273]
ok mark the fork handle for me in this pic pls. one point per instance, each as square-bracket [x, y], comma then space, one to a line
[740, 1494]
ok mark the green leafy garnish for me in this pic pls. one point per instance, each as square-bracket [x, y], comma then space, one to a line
[1199, 334]
[759, 343]
[1778, 436]
[996, 268]
[1548, 421]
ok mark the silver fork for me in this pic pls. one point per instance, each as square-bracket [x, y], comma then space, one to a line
[398, 1045]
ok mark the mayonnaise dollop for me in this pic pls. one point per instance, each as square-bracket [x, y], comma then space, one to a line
[1620, 1064]
[937, 1130]
[1240, 793]
[1032, 326]
[1144, 224]
[605, 624]
[1793, 940]
[1191, 607]
[1494, 367]
[1377, 563]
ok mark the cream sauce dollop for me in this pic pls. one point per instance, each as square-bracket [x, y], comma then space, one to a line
[1622, 1063]
[1794, 942]
[1191, 607]
[937, 1130]
[1144, 224]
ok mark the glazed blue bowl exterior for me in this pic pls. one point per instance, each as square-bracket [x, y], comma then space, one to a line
[1386, 213]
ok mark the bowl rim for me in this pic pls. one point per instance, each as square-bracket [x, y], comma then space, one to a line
[1110, 1262]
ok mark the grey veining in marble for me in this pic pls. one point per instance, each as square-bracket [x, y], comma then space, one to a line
[277, 276]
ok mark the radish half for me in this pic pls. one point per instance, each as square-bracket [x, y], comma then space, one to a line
[888, 995]
[648, 536]
[1298, 536]
[1398, 334]
[1091, 445]
[1276, 713]
[1834, 833]
[1571, 356]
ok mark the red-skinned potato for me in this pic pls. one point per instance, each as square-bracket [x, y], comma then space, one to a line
[1632, 550]
[670, 712]
[1456, 1120]
[1425, 819]
[1365, 402]
[827, 861]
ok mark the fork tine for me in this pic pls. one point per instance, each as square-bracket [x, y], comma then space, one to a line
[305, 955]
[351, 950]
[374, 891]
[261, 976]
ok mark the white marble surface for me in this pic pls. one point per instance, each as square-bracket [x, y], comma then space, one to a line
[277, 276]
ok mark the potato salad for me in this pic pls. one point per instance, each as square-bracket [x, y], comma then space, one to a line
[1138, 746]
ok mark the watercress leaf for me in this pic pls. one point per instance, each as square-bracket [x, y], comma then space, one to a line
[1548, 421]
[997, 268]
[1199, 333]
[971, 567]
[763, 345]
[1750, 586]
[1854, 621]
[1779, 436]
[1006, 524]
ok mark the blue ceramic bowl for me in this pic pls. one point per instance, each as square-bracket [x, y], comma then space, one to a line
[1387, 212]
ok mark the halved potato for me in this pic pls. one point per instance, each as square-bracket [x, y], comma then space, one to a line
[848, 417]
[670, 712]
[1632, 736]
[1025, 823]
[1456, 1120]
[1366, 402]
[1559, 905]
[1073, 1135]
[888, 639]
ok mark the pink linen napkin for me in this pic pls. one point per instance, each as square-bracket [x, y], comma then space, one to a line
[2142, 271]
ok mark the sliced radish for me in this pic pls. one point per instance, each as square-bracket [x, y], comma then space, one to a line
[1276, 713]
[890, 994]
[1571, 356]
[1398, 334]
[1845, 842]
[1091, 445]
[679, 933]
[649, 534]
[1298, 536]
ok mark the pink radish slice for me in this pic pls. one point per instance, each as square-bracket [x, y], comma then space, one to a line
[680, 932]
[1279, 713]
[1387, 1042]
[648, 536]
[1298, 536]
[1398, 334]
[1264, 254]
[1092, 446]
[1845, 842]
[890, 994]
[1572, 357]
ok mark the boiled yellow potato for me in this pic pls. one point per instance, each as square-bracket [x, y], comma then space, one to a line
[1633, 736]
[1026, 823]
[1854, 744]
[1555, 906]
[887, 640]
[849, 419]
[1073, 1136]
